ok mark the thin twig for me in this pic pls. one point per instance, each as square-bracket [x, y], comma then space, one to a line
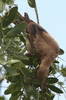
[36, 11]
[62, 59]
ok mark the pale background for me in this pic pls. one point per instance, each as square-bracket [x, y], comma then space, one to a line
[52, 17]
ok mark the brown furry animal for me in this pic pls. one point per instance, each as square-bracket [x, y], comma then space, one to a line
[41, 43]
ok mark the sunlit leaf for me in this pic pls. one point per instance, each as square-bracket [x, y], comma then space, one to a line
[2, 6]
[12, 61]
[2, 62]
[16, 30]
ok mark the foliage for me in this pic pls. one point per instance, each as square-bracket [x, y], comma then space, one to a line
[2, 98]
[21, 70]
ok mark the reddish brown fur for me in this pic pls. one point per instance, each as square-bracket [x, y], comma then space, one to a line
[40, 42]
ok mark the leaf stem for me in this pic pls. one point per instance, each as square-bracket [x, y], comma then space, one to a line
[36, 11]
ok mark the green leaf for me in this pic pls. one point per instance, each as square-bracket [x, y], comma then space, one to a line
[26, 61]
[4, 1]
[1, 79]
[16, 30]
[63, 71]
[2, 6]
[11, 71]
[6, 30]
[12, 61]
[9, 17]
[55, 61]
[2, 61]
[10, 2]
[13, 78]
[49, 95]
[14, 97]
[31, 3]
[1, 36]
[35, 83]
[61, 51]
[2, 98]
[60, 83]
[52, 80]
[22, 38]
[10, 89]
[13, 89]
[15, 93]
[26, 72]
[55, 89]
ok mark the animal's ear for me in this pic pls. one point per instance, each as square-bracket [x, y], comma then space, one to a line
[26, 17]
